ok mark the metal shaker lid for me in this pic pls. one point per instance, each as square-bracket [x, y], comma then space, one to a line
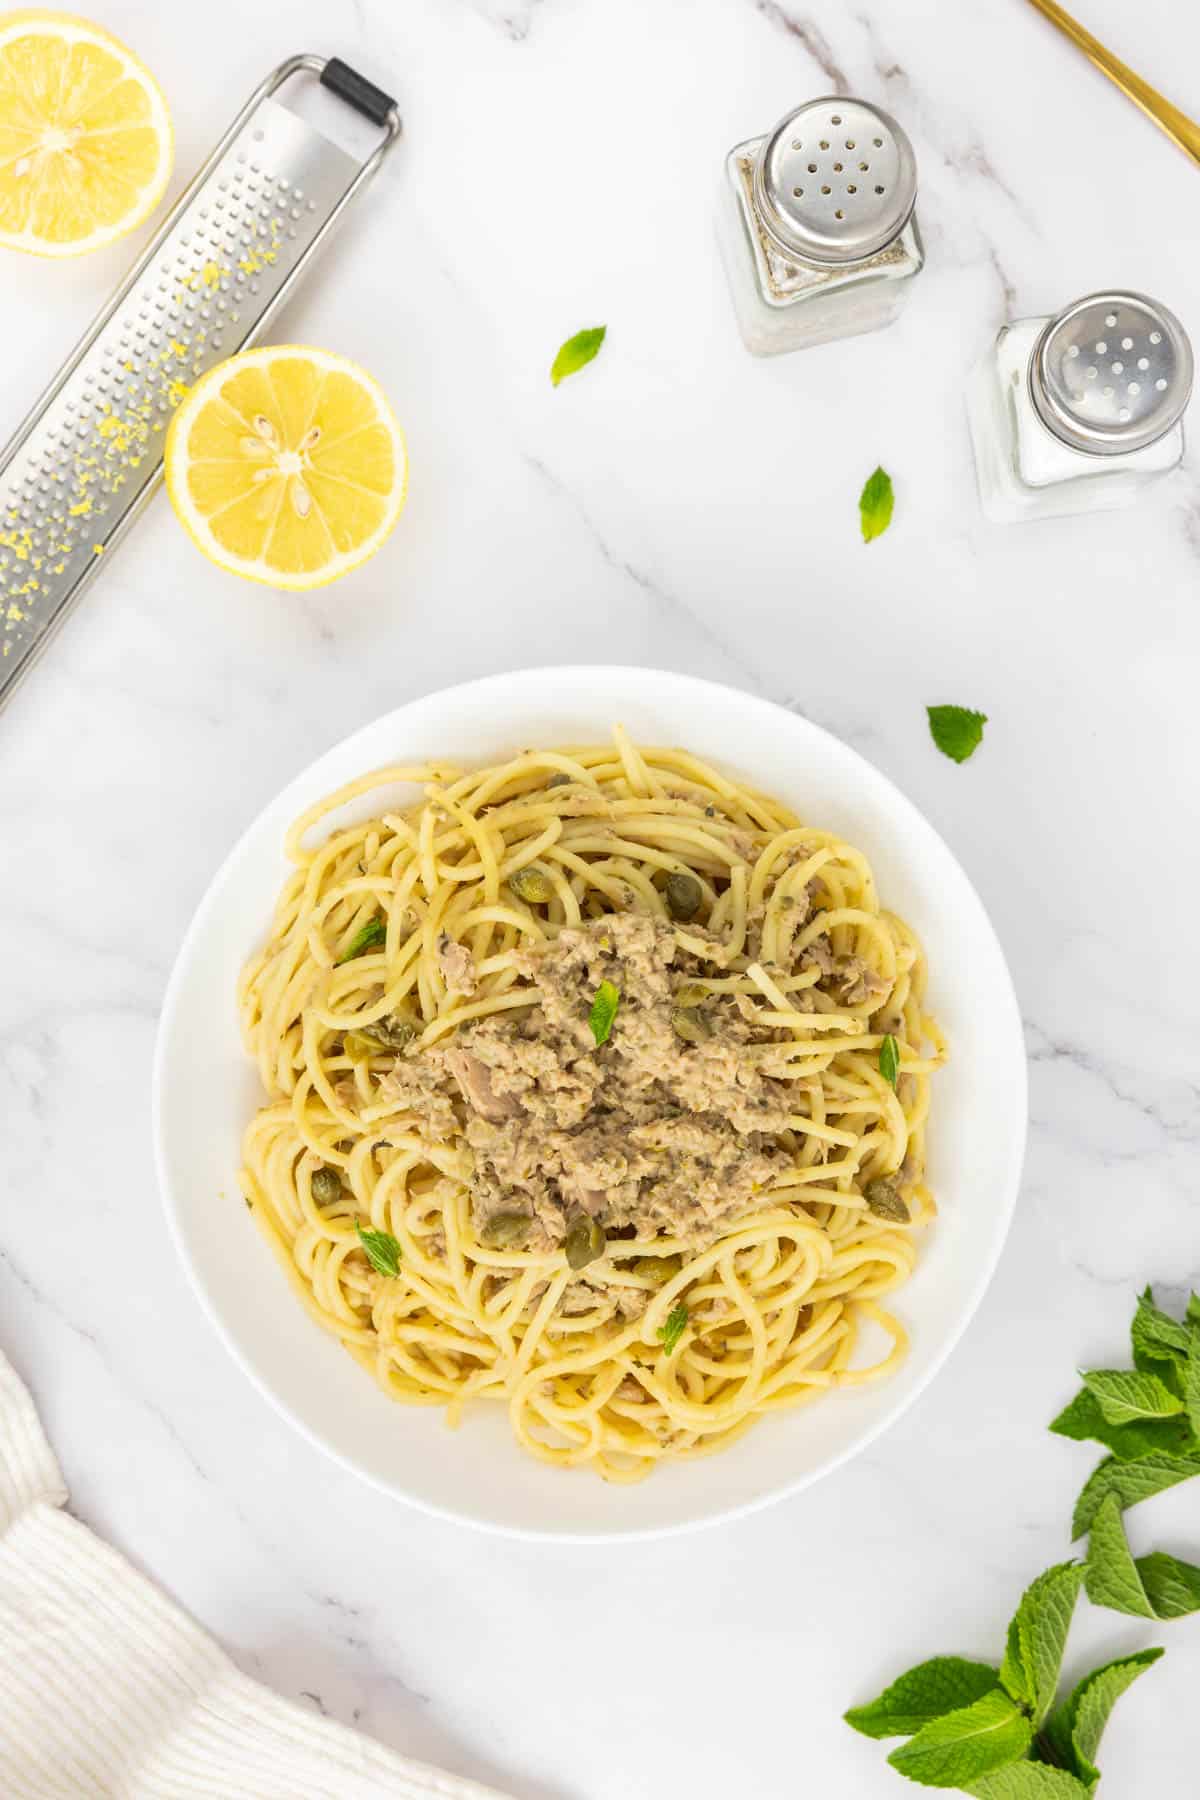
[1112, 373]
[835, 181]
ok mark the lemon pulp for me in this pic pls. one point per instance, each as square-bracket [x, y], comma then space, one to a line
[85, 138]
[287, 465]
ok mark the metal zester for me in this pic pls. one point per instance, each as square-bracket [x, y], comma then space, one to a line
[89, 455]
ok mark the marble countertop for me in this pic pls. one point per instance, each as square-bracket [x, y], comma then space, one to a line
[679, 504]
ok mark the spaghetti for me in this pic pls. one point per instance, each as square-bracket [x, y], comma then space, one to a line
[398, 937]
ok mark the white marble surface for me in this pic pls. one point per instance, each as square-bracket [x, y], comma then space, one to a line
[678, 505]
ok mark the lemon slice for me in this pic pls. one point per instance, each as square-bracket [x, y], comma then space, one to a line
[85, 138]
[287, 465]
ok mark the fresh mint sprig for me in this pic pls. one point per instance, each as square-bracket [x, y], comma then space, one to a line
[996, 1732]
[1147, 1416]
[1003, 1734]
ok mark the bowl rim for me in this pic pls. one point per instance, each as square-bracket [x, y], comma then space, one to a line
[297, 792]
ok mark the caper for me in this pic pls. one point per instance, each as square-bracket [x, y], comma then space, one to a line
[584, 1243]
[658, 1269]
[326, 1185]
[690, 1025]
[532, 883]
[559, 779]
[389, 1033]
[691, 994]
[505, 1230]
[683, 895]
[885, 1200]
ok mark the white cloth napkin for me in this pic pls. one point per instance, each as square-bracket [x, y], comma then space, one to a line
[107, 1689]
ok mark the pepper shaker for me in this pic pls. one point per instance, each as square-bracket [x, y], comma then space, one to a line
[1082, 411]
[816, 226]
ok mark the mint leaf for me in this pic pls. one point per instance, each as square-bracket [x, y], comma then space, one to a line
[673, 1330]
[956, 730]
[1156, 1332]
[1126, 1396]
[1191, 1382]
[876, 504]
[1082, 1419]
[1013, 1678]
[1037, 1637]
[1091, 1703]
[889, 1060]
[1131, 1482]
[1193, 1309]
[966, 1743]
[1028, 1781]
[604, 1011]
[1112, 1576]
[577, 352]
[941, 1685]
[369, 937]
[383, 1252]
[1172, 1587]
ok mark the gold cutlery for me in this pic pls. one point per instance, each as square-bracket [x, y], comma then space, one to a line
[1184, 131]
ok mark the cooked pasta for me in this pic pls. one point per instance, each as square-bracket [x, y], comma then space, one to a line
[597, 1087]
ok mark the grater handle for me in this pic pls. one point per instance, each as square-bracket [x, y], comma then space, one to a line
[357, 91]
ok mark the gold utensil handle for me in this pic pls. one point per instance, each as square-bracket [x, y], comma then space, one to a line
[1184, 131]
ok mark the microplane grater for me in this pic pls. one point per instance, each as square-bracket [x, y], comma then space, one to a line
[86, 459]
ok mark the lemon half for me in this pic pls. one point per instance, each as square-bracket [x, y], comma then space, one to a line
[286, 465]
[85, 137]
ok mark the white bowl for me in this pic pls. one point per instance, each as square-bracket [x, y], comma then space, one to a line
[205, 1091]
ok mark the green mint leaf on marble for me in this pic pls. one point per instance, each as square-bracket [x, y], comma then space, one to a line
[1191, 1383]
[941, 1685]
[967, 1743]
[1074, 1729]
[889, 1060]
[1082, 1419]
[1131, 1482]
[577, 352]
[1028, 1781]
[369, 937]
[876, 504]
[1037, 1637]
[383, 1252]
[956, 730]
[604, 1011]
[1127, 1396]
[1112, 1577]
[1155, 1333]
[1171, 1586]
[673, 1330]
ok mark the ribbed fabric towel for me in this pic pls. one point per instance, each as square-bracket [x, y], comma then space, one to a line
[107, 1689]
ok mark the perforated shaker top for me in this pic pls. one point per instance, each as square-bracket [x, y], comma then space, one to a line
[835, 182]
[1112, 373]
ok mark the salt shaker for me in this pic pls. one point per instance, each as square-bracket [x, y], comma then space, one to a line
[1082, 411]
[816, 226]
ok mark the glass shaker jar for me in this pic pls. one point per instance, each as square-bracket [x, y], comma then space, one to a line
[816, 226]
[1082, 411]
